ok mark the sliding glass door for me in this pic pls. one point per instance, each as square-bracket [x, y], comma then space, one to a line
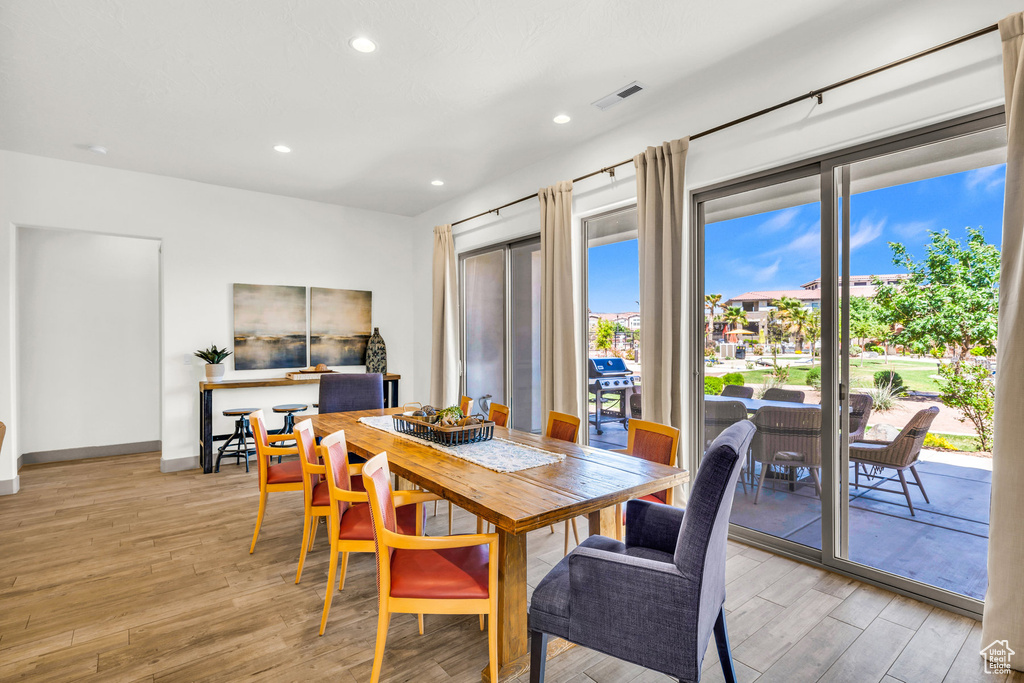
[500, 289]
[849, 310]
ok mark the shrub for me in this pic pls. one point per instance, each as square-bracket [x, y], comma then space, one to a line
[855, 350]
[877, 349]
[971, 390]
[979, 351]
[758, 350]
[781, 373]
[713, 386]
[883, 398]
[733, 378]
[891, 378]
[710, 353]
[936, 441]
[770, 381]
[814, 378]
[750, 365]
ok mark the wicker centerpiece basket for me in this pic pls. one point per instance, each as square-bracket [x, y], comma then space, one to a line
[427, 427]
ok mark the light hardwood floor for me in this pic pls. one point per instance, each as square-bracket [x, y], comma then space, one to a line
[112, 571]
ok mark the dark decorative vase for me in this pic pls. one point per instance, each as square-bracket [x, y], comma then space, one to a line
[376, 353]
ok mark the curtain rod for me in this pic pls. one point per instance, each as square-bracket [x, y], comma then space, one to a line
[816, 94]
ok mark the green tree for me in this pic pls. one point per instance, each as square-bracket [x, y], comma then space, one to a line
[604, 335]
[812, 328]
[970, 389]
[734, 315]
[711, 304]
[789, 310]
[774, 333]
[951, 298]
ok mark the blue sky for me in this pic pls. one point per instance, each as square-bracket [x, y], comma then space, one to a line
[781, 249]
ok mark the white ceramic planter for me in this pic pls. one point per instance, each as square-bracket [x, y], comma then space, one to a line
[214, 372]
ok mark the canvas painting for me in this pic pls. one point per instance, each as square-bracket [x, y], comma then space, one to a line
[270, 327]
[339, 325]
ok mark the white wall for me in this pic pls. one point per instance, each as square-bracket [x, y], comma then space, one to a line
[960, 80]
[212, 236]
[88, 314]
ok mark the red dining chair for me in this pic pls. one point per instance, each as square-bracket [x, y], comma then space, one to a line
[653, 442]
[350, 524]
[564, 427]
[428, 575]
[498, 414]
[285, 476]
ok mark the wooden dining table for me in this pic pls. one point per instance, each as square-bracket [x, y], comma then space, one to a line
[589, 481]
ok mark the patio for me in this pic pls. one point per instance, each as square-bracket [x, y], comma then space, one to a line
[944, 545]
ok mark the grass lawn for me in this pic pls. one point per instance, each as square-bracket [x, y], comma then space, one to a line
[916, 376]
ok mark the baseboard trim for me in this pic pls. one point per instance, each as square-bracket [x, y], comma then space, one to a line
[8, 487]
[19, 464]
[65, 454]
[179, 464]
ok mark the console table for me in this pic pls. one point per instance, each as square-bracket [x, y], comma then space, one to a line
[206, 389]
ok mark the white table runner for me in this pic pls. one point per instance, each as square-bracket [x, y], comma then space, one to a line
[500, 455]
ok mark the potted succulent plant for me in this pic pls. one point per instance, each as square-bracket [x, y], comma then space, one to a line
[214, 358]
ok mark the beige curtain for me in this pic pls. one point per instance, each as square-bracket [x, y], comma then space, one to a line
[559, 364]
[1004, 602]
[660, 209]
[445, 362]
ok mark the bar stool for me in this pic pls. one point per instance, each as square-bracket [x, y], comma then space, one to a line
[242, 433]
[289, 410]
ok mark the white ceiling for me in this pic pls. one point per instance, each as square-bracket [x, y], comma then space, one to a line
[461, 90]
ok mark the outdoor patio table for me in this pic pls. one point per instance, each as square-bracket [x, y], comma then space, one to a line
[754, 404]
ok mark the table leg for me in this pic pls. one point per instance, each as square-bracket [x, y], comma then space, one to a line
[602, 522]
[513, 640]
[206, 430]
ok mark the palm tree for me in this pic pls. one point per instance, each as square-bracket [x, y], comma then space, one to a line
[790, 310]
[711, 303]
[734, 315]
[799, 321]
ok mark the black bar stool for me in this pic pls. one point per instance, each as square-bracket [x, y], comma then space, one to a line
[242, 433]
[289, 410]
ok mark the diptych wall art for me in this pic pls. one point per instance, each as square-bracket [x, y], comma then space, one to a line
[270, 327]
[339, 325]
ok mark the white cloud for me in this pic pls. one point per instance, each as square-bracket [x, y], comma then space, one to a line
[912, 229]
[767, 273]
[984, 179]
[865, 232]
[781, 220]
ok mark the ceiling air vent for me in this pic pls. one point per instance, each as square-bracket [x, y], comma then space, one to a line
[619, 95]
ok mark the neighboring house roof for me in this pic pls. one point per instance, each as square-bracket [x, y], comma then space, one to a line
[802, 294]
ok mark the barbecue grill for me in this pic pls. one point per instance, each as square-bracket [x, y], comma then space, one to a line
[609, 377]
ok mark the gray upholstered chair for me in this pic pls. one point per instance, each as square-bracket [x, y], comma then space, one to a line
[343, 392]
[787, 395]
[736, 391]
[656, 599]
[899, 454]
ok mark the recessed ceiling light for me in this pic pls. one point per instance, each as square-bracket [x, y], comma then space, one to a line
[437, 183]
[98, 149]
[283, 149]
[561, 118]
[362, 44]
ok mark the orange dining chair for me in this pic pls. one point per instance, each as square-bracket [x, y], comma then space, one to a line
[498, 414]
[428, 575]
[316, 495]
[564, 427]
[655, 443]
[466, 405]
[350, 524]
[285, 476]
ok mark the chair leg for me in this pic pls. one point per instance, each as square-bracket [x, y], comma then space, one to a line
[245, 442]
[419, 622]
[305, 544]
[538, 656]
[743, 478]
[482, 620]
[760, 482]
[906, 492]
[817, 480]
[856, 476]
[492, 641]
[312, 534]
[344, 570]
[724, 652]
[383, 621]
[618, 521]
[435, 509]
[330, 587]
[920, 484]
[259, 520]
[451, 514]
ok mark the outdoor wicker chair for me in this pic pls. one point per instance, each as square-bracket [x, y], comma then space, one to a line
[788, 438]
[719, 416]
[787, 395]
[899, 454]
[860, 411]
[736, 391]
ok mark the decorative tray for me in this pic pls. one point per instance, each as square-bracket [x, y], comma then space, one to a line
[446, 436]
[305, 374]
